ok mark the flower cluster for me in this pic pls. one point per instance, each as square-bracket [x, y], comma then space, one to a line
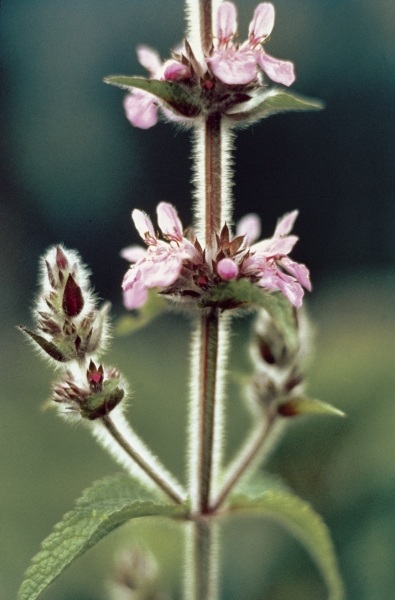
[68, 324]
[182, 269]
[92, 394]
[278, 380]
[226, 77]
[72, 332]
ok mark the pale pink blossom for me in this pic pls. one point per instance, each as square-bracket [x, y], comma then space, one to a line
[161, 263]
[141, 107]
[240, 65]
[269, 262]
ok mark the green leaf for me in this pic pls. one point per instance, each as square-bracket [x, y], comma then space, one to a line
[175, 95]
[307, 406]
[244, 293]
[300, 519]
[102, 508]
[278, 101]
[154, 306]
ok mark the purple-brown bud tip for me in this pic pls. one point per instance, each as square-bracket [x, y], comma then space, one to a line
[73, 300]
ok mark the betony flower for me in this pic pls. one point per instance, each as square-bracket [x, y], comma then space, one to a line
[180, 268]
[266, 262]
[160, 265]
[240, 65]
[269, 261]
[141, 108]
[224, 78]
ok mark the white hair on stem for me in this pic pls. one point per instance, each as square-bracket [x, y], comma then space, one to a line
[107, 441]
[199, 176]
[220, 390]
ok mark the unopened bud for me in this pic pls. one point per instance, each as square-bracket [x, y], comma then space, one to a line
[68, 325]
[92, 395]
[278, 376]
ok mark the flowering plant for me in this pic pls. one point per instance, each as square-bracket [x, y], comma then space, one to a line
[213, 271]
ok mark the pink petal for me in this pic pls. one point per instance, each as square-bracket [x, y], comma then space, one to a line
[233, 67]
[143, 224]
[262, 23]
[250, 226]
[291, 289]
[175, 71]
[299, 271]
[133, 253]
[141, 110]
[279, 71]
[227, 269]
[169, 222]
[161, 270]
[285, 224]
[274, 247]
[135, 297]
[150, 59]
[226, 22]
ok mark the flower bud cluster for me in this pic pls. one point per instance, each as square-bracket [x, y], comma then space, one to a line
[278, 378]
[68, 325]
[92, 395]
[72, 332]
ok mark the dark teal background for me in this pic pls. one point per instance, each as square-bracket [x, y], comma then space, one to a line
[72, 169]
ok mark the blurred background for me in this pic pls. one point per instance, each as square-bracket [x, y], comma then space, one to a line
[72, 169]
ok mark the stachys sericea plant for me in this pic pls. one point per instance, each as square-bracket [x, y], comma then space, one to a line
[211, 84]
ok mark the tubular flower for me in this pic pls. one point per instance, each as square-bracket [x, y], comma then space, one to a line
[183, 270]
[269, 262]
[240, 65]
[161, 264]
[228, 76]
[141, 108]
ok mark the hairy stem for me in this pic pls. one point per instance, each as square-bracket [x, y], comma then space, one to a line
[201, 575]
[158, 475]
[206, 24]
[213, 178]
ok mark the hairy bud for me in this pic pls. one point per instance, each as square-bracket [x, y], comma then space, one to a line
[278, 376]
[92, 395]
[68, 324]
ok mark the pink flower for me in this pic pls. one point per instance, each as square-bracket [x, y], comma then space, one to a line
[160, 265]
[141, 108]
[269, 262]
[239, 65]
[184, 270]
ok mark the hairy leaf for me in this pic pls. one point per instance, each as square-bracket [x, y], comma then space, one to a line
[175, 95]
[102, 508]
[300, 519]
[277, 101]
[244, 293]
[303, 405]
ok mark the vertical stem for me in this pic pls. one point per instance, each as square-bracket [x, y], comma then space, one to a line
[201, 560]
[209, 327]
[213, 177]
[206, 24]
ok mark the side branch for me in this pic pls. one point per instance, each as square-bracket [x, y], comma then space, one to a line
[142, 462]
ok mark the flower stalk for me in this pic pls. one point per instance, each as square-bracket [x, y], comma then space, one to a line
[153, 473]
